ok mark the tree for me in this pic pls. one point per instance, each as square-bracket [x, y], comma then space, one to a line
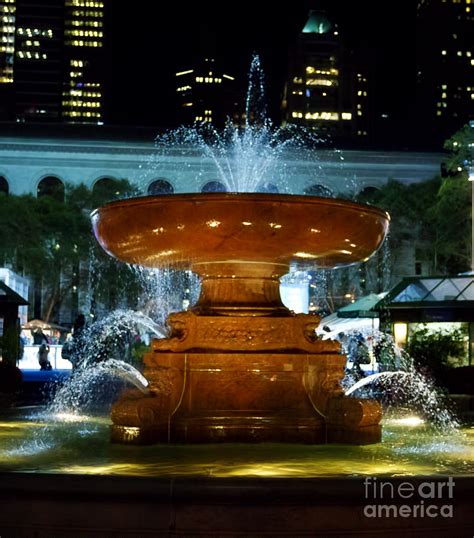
[452, 212]
[436, 351]
[433, 217]
[51, 241]
[450, 219]
[460, 147]
[410, 209]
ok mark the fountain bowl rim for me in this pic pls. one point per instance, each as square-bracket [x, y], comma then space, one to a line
[248, 196]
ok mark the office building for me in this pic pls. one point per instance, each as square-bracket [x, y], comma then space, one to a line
[83, 43]
[325, 91]
[207, 94]
[445, 67]
[51, 60]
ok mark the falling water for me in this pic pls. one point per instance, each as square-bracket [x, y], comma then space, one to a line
[112, 336]
[165, 290]
[400, 385]
[93, 385]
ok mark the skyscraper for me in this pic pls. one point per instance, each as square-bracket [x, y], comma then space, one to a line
[7, 40]
[37, 64]
[50, 60]
[445, 66]
[83, 39]
[207, 94]
[324, 90]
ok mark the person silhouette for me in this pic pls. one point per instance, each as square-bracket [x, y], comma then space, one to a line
[43, 360]
[39, 337]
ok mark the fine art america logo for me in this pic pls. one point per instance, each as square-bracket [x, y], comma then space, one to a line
[406, 499]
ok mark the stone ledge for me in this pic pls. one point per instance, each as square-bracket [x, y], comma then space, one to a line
[53, 506]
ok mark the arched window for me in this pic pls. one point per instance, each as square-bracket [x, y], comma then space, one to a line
[107, 189]
[214, 186]
[268, 187]
[4, 187]
[160, 186]
[51, 186]
[319, 190]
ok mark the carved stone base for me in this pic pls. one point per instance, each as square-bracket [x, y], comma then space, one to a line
[201, 397]
[293, 332]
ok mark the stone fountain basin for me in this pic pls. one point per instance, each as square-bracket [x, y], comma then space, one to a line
[189, 229]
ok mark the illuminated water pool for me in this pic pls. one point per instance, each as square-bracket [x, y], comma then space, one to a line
[35, 443]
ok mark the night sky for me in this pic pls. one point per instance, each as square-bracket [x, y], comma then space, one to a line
[147, 44]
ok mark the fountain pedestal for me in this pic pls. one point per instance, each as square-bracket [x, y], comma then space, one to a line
[240, 366]
[254, 379]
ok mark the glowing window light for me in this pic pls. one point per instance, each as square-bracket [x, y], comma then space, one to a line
[181, 73]
[325, 116]
[400, 333]
[320, 82]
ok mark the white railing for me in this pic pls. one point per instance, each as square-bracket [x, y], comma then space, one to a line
[30, 358]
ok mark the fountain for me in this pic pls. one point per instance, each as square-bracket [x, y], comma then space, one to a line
[240, 366]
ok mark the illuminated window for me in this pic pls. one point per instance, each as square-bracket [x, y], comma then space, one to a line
[324, 116]
[181, 73]
[320, 82]
[400, 333]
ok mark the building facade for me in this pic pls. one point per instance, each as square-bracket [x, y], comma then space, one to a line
[51, 60]
[207, 94]
[27, 164]
[325, 90]
[445, 67]
[20, 285]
